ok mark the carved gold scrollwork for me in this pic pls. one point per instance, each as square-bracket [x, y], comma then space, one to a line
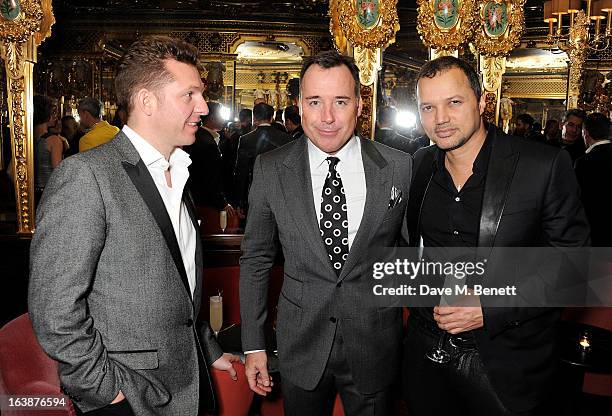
[500, 26]
[493, 67]
[577, 54]
[367, 111]
[380, 34]
[21, 28]
[368, 62]
[340, 40]
[456, 30]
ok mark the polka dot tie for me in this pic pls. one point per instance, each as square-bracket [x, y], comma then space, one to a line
[333, 219]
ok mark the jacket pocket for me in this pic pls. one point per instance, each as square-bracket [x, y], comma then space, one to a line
[137, 360]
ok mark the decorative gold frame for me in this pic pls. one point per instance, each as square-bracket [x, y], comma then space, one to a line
[500, 45]
[19, 39]
[380, 35]
[441, 39]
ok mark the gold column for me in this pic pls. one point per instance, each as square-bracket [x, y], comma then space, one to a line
[500, 26]
[364, 31]
[22, 29]
[578, 37]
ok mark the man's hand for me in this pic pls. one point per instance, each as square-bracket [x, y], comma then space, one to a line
[119, 398]
[457, 319]
[256, 368]
[231, 212]
[224, 363]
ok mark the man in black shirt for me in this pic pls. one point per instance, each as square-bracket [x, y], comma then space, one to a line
[478, 187]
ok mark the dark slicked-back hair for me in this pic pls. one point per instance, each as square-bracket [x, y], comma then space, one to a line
[245, 114]
[143, 65]
[263, 112]
[526, 119]
[576, 112]
[43, 107]
[332, 59]
[444, 63]
[598, 126]
[292, 113]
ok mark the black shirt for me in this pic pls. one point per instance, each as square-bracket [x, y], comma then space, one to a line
[451, 218]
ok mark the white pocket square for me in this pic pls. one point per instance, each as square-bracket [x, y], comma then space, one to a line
[396, 197]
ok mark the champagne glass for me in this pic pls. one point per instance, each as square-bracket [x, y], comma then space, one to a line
[216, 313]
[223, 220]
[439, 354]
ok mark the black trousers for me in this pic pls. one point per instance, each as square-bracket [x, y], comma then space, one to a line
[336, 379]
[459, 388]
[122, 408]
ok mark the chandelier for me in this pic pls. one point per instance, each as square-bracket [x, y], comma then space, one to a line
[584, 26]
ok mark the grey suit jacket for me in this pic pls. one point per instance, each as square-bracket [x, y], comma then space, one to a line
[313, 300]
[108, 296]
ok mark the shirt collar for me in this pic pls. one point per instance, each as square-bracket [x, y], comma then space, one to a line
[317, 156]
[214, 133]
[597, 143]
[152, 157]
[481, 163]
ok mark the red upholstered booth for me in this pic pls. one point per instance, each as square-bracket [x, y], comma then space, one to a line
[598, 384]
[25, 369]
[234, 397]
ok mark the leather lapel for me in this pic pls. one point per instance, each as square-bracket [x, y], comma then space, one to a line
[379, 178]
[502, 165]
[418, 189]
[296, 184]
[145, 185]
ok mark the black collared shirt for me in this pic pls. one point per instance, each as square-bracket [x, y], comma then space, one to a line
[451, 218]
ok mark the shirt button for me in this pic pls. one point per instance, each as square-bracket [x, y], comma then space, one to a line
[332, 320]
[457, 199]
[456, 232]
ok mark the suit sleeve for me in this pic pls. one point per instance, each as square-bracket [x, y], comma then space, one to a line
[63, 258]
[563, 223]
[241, 177]
[259, 248]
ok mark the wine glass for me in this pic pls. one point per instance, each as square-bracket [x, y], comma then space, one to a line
[223, 220]
[439, 354]
[216, 313]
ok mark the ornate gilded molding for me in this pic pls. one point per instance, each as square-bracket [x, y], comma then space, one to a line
[368, 61]
[17, 24]
[493, 68]
[445, 25]
[23, 25]
[369, 24]
[340, 41]
[365, 122]
[578, 37]
[500, 26]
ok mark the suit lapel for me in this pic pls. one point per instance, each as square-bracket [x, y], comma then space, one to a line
[297, 189]
[418, 189]
[198, 290]
[502, 165]
[379, 178]
[142, 180]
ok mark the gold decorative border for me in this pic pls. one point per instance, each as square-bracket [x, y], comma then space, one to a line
[440, 39]
[502, 44]
[380, 36]
[28, 22]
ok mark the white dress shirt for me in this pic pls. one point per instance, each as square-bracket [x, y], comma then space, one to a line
[350, 168]
[184, 229]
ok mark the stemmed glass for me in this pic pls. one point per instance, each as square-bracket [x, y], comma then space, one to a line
[438, 354]
[216, 313]
[223, 220]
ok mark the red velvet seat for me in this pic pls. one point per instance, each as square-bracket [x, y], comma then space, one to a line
[25, 369]
[598, 384]
[234, 397]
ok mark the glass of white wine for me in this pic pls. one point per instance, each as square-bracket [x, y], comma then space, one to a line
[223, 220]
[216, 313]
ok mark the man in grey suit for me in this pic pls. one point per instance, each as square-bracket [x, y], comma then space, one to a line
[116, 262]
[327, 199]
